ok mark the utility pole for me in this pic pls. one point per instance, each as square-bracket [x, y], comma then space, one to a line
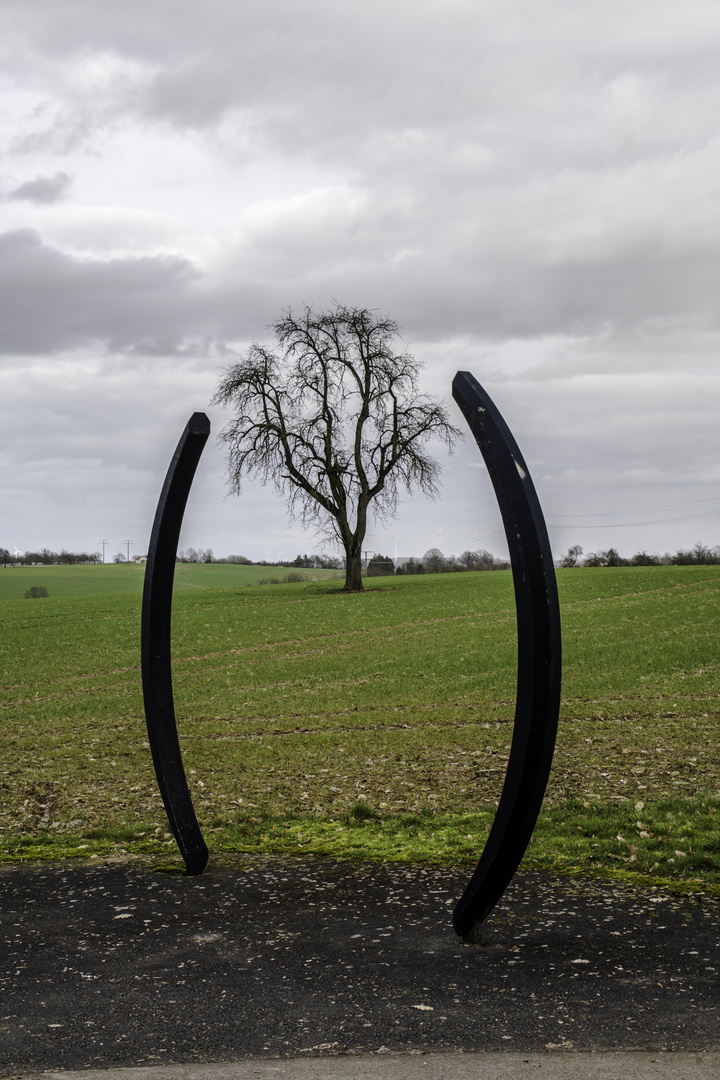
[128, 542]
[104, 545]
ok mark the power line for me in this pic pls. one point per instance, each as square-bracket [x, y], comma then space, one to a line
[631, 524]
[667, 507]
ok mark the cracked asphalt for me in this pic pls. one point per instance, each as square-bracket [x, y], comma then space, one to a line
[117, 964]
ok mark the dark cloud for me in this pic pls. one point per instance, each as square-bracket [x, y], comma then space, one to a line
[43, 189]
[51, 301]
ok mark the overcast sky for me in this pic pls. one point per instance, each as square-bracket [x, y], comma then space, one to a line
[532, 189]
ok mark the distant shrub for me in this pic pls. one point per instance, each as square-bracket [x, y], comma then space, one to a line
[289, 579]
[434, 561]
[193, 555]
[412, 566]
[380, 566]
[477, 560]
[643, 558]
[572, 557]
[700, 555]
[611, 557]
[36, 591]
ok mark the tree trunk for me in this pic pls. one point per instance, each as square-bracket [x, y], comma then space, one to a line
[353, 571]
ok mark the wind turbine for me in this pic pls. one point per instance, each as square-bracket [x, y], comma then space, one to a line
[396, 540]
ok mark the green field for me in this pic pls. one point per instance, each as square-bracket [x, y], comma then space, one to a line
[375, 725]
[112, 578]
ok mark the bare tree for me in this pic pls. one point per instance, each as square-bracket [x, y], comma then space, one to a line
[611, 557]
[335, 419]
[572, 556]
[477, 560]
[434, 561]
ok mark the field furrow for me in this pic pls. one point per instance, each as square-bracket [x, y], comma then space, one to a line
[376, 724]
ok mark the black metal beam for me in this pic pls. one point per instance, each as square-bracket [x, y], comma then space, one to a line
[155, 645]
[539, 656]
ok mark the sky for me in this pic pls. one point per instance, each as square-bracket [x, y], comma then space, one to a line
[531, 188]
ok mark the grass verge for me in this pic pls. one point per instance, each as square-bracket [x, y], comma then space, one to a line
[673, 843]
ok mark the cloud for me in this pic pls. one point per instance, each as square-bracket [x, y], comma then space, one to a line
[529, 188]
[86, 444]
[43, 189]
[531, 84]
[51, 301]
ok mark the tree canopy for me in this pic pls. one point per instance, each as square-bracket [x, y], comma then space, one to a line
[334, 418]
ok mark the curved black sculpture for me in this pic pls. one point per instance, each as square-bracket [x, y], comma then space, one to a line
[539, 652]
[155, 644]
[539, 657]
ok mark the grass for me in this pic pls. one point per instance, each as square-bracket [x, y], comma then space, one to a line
[127, 578]
[374, 726]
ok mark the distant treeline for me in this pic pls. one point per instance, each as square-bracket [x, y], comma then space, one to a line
[700, 555]
[190, 555]
[434, 562]
[49, 558]
[306, 562]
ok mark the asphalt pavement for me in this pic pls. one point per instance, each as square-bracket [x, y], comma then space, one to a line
[312, 968]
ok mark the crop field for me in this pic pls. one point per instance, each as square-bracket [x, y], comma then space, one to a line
[113, 578]
[373, 725]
